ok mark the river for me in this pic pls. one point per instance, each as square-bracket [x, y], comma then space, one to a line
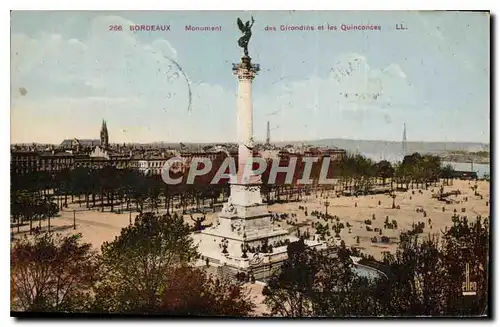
[480, 169]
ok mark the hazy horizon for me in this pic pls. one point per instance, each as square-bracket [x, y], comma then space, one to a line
[262, 141]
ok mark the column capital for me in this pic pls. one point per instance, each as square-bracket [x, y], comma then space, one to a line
[245, 70]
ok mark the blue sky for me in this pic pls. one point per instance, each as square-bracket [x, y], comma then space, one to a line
[434, 76]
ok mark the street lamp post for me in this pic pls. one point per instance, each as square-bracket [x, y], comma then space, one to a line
[74, 219]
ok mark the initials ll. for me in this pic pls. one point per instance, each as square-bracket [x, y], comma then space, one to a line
[401, 27]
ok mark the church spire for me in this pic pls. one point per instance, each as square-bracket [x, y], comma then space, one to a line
[268, 135]
[104, 135]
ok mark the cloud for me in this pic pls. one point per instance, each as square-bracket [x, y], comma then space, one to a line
[351, 85]
[394, 70]
[165, 48]
[352, 94]
[110, 75]
[116, 61]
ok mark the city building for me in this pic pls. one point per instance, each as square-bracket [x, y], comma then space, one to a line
[98, 153]
[79, 144]
[23, 162]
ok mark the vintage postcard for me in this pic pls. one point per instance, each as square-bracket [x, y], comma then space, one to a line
[250, 163]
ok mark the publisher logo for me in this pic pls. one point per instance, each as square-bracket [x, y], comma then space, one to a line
[468, 288]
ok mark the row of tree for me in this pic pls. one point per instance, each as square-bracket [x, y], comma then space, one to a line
[27, 206]
[126, 190]
[132, 190]
[359, 172]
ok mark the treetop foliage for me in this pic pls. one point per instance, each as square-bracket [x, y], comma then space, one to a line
[147, 269]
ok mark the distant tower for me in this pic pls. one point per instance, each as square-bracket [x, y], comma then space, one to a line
[268, 137]
[404, 140]
[104, 135]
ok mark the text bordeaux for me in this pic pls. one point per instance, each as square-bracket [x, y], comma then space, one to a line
[150, 28]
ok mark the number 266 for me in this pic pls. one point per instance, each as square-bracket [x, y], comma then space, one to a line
[115, 28]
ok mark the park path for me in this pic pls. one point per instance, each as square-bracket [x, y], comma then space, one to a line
[89, 222]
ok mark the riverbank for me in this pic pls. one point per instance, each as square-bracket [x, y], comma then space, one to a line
[466, 159]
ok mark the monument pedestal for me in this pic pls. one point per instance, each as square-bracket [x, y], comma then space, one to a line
[236, 235]
[243, 237]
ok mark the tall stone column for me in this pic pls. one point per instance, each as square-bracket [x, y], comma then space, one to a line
[241, 192]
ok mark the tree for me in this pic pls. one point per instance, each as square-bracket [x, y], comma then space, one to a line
[288, 292]
[384, 170]
[138, 188]
[45, 208]
[137, 261]
[108, 181]
[316, 283]
[430, 271]
[21, 208]
[419, 169]
[447, 173]
[191, 292]
[419, 269]
[155, 187]
[64, 184]
[469, 241]
[79, 182]
[51, 273]
[339, 291]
